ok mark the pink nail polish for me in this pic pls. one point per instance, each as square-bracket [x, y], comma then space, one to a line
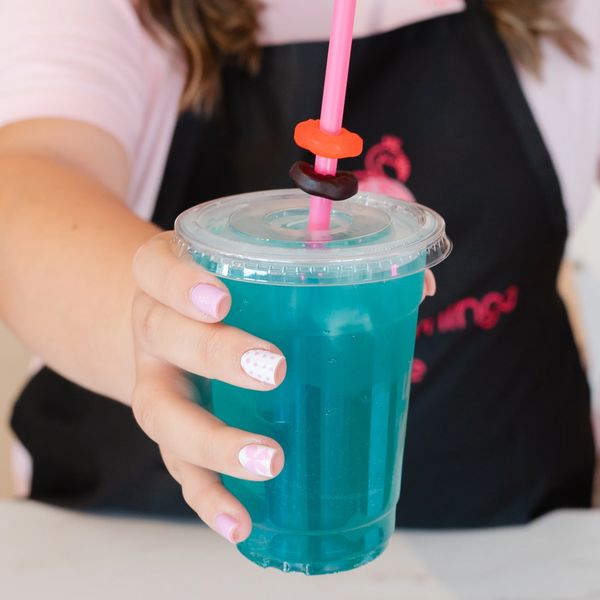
[262, 365]
[208, 299]
[226, 526]
[257, 459]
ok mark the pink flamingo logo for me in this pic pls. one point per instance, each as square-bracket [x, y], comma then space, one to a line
[387, 153]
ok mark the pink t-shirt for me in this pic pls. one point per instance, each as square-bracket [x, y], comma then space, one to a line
[93, 61]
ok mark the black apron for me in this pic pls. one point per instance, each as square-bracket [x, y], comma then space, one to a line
[499, 426]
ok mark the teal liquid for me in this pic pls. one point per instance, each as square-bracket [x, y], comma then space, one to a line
[340, 416]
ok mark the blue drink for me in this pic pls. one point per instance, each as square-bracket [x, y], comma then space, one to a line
[340, 415]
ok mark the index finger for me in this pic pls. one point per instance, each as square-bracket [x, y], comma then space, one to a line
[182, 285]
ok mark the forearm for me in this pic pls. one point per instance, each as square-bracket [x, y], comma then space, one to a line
[66, 245]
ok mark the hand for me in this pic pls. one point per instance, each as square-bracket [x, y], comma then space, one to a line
[429, 286]
[177, 314]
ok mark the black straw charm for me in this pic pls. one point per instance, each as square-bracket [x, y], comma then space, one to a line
[341, 186]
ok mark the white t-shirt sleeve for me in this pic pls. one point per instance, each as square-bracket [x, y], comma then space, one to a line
[74, 59]
[566, 105]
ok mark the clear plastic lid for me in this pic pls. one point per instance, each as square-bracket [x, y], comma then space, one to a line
[262, 237]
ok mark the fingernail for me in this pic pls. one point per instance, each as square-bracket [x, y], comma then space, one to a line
[226, 526]
[257, 459]
[263, 365]
[208, 299]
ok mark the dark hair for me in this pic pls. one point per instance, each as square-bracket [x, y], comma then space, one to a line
[212, 33]
[523, 24]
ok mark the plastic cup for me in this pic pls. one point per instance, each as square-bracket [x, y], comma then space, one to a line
[342, 306]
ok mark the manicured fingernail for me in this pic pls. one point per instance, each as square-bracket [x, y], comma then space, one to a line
[226, 526]
[208, 299]
[258, 459]
[263, 365]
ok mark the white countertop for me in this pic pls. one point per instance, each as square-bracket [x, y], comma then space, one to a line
[48, 553]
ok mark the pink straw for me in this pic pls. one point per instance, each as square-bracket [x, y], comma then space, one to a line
[334, 97]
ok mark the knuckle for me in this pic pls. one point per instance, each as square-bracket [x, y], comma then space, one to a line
[143, 257]
[175, 275]
[144, 413]
[211, 445]
[149, 323]
[137, 307]
[171, 465]
[208, 346]
[138, 261]
[195, 497]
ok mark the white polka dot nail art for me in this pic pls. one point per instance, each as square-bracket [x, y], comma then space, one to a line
[261, 365]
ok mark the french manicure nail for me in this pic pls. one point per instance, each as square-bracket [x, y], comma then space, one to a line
[207, 299]
[262, 365]
[257, 459]
[226, 526]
